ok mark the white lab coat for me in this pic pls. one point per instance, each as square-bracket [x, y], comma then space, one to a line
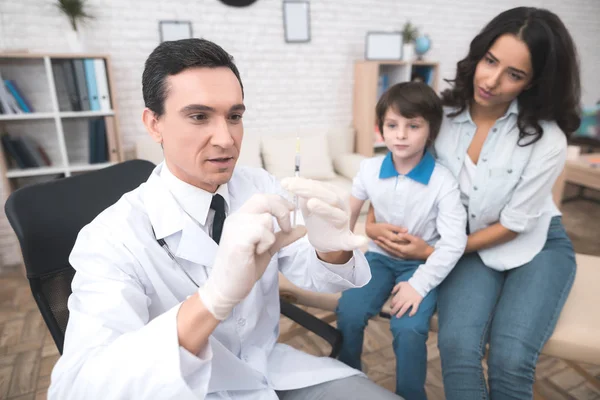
[121, 340]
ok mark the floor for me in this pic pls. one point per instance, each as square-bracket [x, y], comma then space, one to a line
[27, 352]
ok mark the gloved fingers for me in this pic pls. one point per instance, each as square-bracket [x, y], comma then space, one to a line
[266, 240]
[273, 204]
[309, 188]
[283, 239]
[248, 231]
[334, 215]
[352, 242]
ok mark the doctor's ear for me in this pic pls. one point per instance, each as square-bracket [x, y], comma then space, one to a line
[152, 124]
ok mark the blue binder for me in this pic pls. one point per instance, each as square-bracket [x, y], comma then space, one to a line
[90, 78]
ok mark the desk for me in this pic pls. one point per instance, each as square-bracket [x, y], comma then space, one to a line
[581, 173]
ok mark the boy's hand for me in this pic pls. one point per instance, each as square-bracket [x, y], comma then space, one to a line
[405, 246]
[405, 297]
[380, 230]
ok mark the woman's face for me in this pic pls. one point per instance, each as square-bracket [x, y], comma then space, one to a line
[503, 73]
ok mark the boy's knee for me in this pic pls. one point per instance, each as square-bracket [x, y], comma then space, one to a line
[417, 325]
[353, 316]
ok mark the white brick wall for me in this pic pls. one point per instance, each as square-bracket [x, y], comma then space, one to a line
[287, 85]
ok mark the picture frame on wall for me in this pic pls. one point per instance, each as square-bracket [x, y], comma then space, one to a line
[383, 46]
[296, 21]
[174, 30]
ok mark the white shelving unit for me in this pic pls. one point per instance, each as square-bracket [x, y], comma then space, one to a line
[43, 94]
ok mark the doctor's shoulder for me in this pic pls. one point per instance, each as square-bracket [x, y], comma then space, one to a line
[126, 216]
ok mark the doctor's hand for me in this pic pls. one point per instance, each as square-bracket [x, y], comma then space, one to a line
[326, 216]
[247, 245]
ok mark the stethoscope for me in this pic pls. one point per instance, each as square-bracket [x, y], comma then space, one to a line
[164, 245]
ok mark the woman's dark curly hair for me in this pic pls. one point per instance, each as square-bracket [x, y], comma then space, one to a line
[554, 93]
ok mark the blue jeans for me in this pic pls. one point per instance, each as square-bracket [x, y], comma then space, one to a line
[357, 306]
[515, 311]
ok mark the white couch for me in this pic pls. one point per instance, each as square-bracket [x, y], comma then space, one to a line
[326, 156]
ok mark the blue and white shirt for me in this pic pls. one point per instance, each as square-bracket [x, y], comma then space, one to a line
[426, 201]
[511, 184]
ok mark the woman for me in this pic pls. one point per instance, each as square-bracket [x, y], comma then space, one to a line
[514, 100]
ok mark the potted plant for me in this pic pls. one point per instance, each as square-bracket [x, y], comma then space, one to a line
[75, 11]
[409, 35]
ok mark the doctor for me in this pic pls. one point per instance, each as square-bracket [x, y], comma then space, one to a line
[171, 302]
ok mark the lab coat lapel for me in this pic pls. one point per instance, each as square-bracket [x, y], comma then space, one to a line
[196, 245]
[167, 218]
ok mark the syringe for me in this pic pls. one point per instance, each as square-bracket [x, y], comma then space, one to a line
[296, 174]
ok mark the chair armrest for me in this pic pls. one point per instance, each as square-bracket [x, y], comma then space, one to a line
[347, 165]
[313, 324]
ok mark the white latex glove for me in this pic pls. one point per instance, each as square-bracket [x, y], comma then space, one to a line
[247, 245]
[326, 215]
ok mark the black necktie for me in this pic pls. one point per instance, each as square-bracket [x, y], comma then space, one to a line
[218, 204]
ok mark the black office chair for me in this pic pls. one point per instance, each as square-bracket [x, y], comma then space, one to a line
[47, 217]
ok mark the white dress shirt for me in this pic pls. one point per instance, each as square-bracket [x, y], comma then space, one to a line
[121, 339]
[426, 201]
[512, 184]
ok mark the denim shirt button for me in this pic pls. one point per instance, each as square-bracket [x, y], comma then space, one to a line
[495, 130]
[510, 171]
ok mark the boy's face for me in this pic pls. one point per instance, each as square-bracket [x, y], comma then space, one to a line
[405, 137]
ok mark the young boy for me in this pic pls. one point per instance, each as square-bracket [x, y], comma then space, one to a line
[411, 193]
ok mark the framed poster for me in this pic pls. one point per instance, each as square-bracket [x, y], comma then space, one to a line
[174, 30]
[296, 21]
[383, 46]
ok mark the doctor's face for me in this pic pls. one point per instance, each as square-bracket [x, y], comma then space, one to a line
[201, 129]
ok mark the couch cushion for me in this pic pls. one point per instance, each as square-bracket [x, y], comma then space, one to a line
[348, 164]
[279, 156]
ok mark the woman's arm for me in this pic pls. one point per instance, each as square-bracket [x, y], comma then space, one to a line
[491, 236]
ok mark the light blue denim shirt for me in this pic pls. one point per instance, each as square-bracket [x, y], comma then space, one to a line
[512, 184]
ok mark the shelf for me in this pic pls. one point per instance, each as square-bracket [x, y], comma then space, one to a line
[82, 167]
[26, 116]
[50, 115]
[21, 173]
[26, 54]
[85, 114]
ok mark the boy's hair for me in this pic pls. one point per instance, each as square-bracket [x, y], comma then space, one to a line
[172, 57]
[412, 99]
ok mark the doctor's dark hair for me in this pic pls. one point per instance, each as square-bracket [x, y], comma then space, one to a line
[412, 99]
[555, 92]
[172, 57]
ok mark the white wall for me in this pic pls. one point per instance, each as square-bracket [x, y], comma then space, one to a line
[287, 85]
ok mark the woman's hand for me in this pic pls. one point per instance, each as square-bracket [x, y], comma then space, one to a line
[405, 297]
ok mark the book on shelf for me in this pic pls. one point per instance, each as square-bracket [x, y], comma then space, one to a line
[98, 143]
[12, 100]
[24, 152]
[423, 73]
[83, 82]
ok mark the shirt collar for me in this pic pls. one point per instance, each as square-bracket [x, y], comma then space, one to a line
[193, 200]
[420, 173]
[465, 115]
